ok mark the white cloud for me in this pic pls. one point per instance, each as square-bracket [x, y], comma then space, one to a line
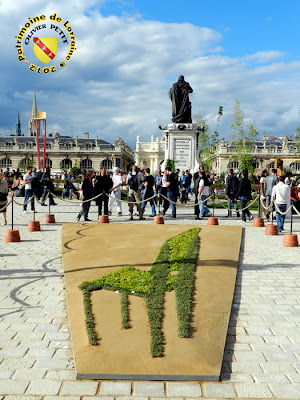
[262, 57]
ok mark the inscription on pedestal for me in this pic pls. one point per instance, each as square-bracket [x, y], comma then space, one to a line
[183, 154]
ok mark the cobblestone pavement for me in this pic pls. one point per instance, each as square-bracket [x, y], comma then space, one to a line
[262, 353]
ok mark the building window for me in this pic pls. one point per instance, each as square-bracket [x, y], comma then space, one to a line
[86, 164]
[295, 166]
[107, 164]
[48, 145]
[257, 166]
[66, 164]
[48, 163]
[118, 162]
[233, 164]
[5, 163]
[272, 164]
[24, 163]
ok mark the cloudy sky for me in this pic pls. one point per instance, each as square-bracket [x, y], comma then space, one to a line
[130, 52]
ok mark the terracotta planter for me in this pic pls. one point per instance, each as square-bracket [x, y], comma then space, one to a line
[103, 219]
[12, 236]
[212, 221]
[290, 240]
[271, 230]
[258, 222]
[49, 219]
[34, 226]
[158, 219]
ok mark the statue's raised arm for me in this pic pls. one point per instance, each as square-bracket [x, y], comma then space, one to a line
[181, 105]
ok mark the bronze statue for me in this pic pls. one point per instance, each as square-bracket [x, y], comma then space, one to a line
[181, 105]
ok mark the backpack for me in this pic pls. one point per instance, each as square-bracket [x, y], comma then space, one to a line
[133, 182]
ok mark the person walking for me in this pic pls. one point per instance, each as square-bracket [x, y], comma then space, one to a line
[134, 181]
[270, 182]
[231, 187]
[103, 184]
[48, 187]
[280, 193]
[87, 194]
[262, 180]
[115, 192]
[172, 190]
[244, 193]
[149, 185]
[3, 196]
[203, 194]
[28, 190]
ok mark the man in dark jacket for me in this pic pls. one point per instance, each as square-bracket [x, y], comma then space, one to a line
[172, 190]
[48, 187]
[231, 187]
[103, 184]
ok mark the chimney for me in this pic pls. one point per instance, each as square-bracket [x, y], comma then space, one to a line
[86, 135]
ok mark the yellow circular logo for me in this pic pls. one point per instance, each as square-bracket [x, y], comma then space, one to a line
[49, 41]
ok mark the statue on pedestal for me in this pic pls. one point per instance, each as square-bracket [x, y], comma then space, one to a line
[181, 105]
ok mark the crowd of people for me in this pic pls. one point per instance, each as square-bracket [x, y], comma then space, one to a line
[164, 189]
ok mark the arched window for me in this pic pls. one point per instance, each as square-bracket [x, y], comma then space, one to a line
[5, 163]
[233, 164]
[48, 163]
[24, 163]
[107, 164]
[86, 164]
[295, 166]
[66, 164]
[257, 165]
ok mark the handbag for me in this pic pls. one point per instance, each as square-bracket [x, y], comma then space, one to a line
[3, 196]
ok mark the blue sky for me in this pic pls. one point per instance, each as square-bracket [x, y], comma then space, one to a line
[246, 26]
[129, 53]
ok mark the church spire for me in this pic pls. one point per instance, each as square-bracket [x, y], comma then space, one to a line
[31, 123]
[18, 126]
[34, 106]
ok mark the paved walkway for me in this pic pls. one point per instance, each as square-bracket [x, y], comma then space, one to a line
[262, 354]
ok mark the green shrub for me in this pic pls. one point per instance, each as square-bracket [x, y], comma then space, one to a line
[177, 254]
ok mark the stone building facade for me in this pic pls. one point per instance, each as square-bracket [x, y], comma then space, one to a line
[62, 152]
[264, 151]
[150, 154]
[65, 152]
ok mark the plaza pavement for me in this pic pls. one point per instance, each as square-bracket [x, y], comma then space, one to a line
[262, 353]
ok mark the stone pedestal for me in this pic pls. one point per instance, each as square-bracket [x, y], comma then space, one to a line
[181, 145]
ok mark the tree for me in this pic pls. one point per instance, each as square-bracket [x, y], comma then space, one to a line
[75, 171]
[170, 163]
[243, 137]
[208, 142]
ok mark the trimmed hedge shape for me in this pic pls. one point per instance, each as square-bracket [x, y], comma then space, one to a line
[178, 253]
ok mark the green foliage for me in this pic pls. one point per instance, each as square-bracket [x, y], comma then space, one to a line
[178, 253]
[243, 137]
[124, 311]
[184, 286]
[155, 301]
[75, 171]
[126, 279]
[207, 141]
[170, 163]
[89, 319]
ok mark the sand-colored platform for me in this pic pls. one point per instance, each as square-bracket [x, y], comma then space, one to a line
[93, 250]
